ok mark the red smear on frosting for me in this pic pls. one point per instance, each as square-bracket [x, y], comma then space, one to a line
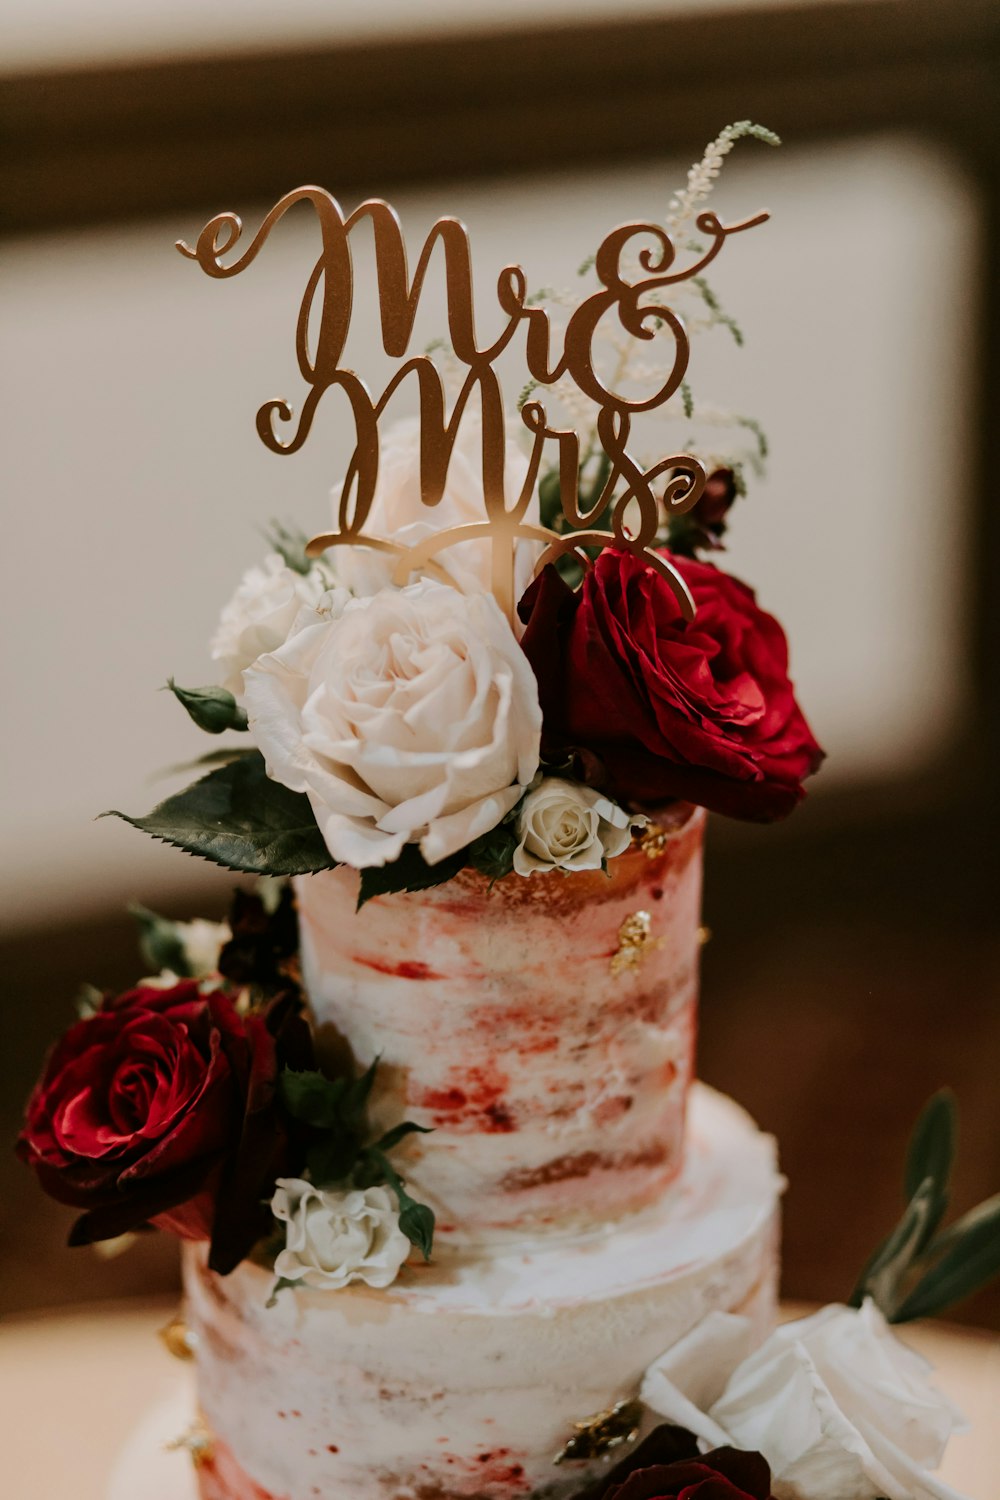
[478, 1105]
[408, 969]
[221, 1478]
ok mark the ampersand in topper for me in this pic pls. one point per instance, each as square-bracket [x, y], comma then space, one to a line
[636, 506]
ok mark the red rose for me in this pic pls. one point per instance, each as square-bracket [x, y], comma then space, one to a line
[162, 1109]
[668, 1466]
[704, 712]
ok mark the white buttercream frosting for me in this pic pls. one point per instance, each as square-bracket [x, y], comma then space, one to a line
[466, 1375]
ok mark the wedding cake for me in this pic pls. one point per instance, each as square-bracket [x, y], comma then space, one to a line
[457, 1219]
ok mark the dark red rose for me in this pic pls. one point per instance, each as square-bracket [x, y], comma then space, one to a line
[701, 711]
[162, 1109]
[668, 1466]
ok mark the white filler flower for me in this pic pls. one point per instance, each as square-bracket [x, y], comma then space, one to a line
[413, 717]
[835, 1402]
[260, 615]
[565, 826]
[332, 1239]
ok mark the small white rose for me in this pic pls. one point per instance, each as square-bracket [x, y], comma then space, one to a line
[332, 1239]
[202, 942]
[411, 717]
[399, 514]
[835, 1402]
[566, 826]
[262, 614]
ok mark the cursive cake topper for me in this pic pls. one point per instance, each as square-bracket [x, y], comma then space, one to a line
[635, 496]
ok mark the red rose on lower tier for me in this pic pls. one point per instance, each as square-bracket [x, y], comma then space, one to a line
[667, 1466]
[162, 1109]
[702, 711]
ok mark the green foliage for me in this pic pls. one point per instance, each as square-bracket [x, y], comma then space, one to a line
[410, 872]
[238, 817]
[918, 1272]
[159, 942]
[290, 544]
[333, 1110]
[213, 709]
[492, 854]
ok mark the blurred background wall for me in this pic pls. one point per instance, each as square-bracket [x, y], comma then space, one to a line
[853, 964]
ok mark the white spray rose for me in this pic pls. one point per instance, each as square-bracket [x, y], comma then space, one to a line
[399, 514]
[261, 615]
[565, 826]
[413, 717]
[332, 1239]
[202, 943]
[835, 1402]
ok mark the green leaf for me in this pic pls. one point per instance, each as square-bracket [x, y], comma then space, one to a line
[160, 942]
[932, 1145]
[241, 819]
[966, 1255]
[492, 854]
[312, 1098]
[290, 543]
[331, 1160]
[356, 1094]
[417, 1221]
[882, 1275]
[410, 872]
[400, 1132]
[213, 709]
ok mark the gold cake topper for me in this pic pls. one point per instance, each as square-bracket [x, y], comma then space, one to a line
[628, 488]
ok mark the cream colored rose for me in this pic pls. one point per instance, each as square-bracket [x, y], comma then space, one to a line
[835, 1402]
[332, 1239]
[411, 718]
[399, 514]
[260, 615]
[566, 826]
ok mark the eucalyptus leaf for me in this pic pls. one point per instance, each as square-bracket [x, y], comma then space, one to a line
[213, 709]
[238, 817]
[410, 872]
[884, 1271]
[966, 1256]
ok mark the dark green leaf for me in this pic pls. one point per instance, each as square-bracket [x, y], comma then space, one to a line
[213, 709]
[356, 1094]
[279, 1286]
[331, 1159]
[416, 1221]
[410, 872]
[400, 1132]
[932, 1145]
[492, 854]
[312, 1098]
[238, 817]
[159, 942]
[966, 1257]
[881, 1277]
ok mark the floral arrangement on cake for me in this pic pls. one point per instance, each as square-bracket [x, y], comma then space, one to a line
[414, 712]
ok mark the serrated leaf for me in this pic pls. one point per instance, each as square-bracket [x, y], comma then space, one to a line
[159, 942]
[882, 1275]
[213, 709]
[410, 872]
[400, 1132]
[966, 1257]
[492, 854]
[241, 819]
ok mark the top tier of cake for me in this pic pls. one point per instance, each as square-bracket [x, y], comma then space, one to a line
[544, 1028]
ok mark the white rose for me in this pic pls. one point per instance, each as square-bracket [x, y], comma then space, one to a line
[261, 614]
[398, 513]
[413, 717]
[202, 943]
[332, 1239]
[835, 1402]
[566, 826]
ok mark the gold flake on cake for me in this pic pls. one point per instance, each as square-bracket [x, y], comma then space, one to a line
[653, 840]
[603, 1432]
[198, 1441]
[177, 1338]
[635, 940]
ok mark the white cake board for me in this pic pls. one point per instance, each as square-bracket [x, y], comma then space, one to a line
[146, 1468]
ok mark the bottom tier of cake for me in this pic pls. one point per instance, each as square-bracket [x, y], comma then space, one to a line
[465, 1378]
